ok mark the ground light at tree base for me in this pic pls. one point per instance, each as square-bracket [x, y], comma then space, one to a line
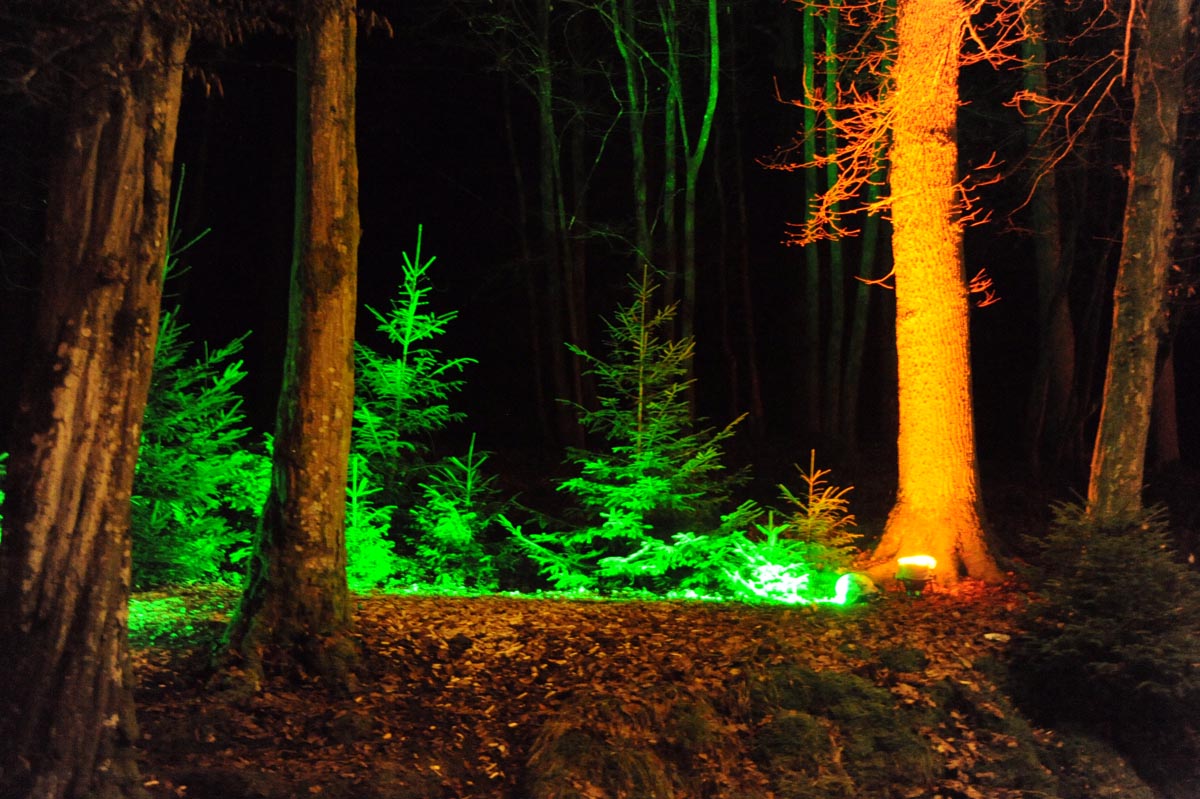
[915, 571]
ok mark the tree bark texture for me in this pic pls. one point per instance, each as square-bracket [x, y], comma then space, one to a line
[66, 701]
[1119, 456]
[938, 510]
[296, 606]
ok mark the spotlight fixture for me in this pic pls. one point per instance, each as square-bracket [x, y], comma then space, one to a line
[915, 571]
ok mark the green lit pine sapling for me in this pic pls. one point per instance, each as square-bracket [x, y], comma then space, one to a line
[657, 475]
[820, 518]
[198, 484]
[459, 503]
[371, 560]
[402, 399]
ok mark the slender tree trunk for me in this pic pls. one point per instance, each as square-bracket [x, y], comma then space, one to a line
[695, 151]
[1054, 373]
[753, 402]
[66, 699]
[836, 334]
[1165, 414]
[938, 511]
[297, 605]
[555, 257]
[624, 23]
[861, 318]
[810, 343]
[1118, 459]
[533, 297]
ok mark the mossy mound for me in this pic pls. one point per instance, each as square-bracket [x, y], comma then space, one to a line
[658, 742]
[831, 734]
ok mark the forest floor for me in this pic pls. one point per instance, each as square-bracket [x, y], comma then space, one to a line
[531, 698]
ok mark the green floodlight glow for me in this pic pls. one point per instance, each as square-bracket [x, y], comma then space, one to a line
[785, 584]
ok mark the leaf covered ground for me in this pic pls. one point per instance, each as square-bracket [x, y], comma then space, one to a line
[539, 698]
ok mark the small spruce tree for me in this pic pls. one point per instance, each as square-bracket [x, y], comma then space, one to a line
[1113, 641]
[198, 484]
[401, 402]
[402, 399]
[658, 474]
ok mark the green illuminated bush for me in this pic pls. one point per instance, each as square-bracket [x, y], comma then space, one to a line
[371, 560]
[401, 399]
[657, 475]
[1114, 640]
[199, 485]
[459, 504]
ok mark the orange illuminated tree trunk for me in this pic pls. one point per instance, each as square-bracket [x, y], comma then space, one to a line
[938, 510]
[296, 606]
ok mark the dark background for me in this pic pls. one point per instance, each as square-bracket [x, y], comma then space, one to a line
[432, 152]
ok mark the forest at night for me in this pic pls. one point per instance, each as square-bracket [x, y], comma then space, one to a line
[599, 398]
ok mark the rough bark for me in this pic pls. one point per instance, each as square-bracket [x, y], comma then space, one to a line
[66, 701]
[296, 606]
[938, 510]
[1119, 456]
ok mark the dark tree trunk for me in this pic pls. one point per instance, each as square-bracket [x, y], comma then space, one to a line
[1119, 456]
[66, 700]
[297, 605]
[1054, 373]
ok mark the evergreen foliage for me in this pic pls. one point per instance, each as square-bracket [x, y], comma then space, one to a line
[401, 400]
[821, 518]
[198, 485]
[1114, 640]
[371, 560]
[651, 495]
[654, 469]
[459, 504]
[656, 464]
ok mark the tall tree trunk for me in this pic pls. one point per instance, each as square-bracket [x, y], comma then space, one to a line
[66, 700]
[1119, 456]
[861, 317]
[1054, 373]
[938, 511]
[694, 151]
[810, 342]
[296, 605]
[836, 333]
[753, 402]
[541, 393]
[1165, 414]
[623, 20]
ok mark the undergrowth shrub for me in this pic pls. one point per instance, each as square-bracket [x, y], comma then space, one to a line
[459, 505]
[657, 474]
[199, 482]
[652, 496]
[401, 404]
[1113, 641]
[371, 560]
